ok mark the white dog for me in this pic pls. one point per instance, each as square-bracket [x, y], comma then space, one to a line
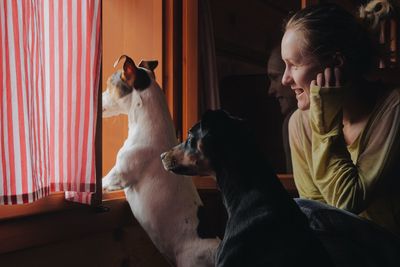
[165, 204]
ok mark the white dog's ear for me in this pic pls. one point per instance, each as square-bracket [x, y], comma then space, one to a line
[130, 69]
[149, 64]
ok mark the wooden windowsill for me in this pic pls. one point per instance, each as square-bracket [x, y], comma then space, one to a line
[56, 201]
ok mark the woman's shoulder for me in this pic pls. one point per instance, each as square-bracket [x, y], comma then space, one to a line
[387, 110]
[390, 99]
[394, 96]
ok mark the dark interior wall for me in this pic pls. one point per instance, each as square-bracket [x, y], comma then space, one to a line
[246, 32]
[246, 96]
[244, 37]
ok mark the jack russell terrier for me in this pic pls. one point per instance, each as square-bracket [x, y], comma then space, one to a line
[165, 204]
[265, 227]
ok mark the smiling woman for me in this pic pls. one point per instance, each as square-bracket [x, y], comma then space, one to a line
[345, 136]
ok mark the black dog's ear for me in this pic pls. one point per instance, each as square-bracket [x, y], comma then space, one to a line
[149, 64]
[214, 119]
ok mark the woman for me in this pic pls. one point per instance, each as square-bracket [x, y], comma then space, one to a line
[344, 136]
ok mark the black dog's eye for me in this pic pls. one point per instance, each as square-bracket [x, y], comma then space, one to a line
[190, 142]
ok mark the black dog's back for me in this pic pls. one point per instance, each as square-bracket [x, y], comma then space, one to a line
[269, 230]
[265, 226]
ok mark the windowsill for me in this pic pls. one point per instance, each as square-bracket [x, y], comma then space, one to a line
[56, 201]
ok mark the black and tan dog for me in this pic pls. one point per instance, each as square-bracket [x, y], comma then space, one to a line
[265, 227]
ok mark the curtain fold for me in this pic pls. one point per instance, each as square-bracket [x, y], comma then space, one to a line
[50, 52]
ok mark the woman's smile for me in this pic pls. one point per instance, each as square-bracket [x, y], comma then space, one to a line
[298, 91]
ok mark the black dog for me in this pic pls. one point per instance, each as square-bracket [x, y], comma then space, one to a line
[265, 227]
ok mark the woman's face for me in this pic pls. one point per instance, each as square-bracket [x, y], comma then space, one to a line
[300, 67]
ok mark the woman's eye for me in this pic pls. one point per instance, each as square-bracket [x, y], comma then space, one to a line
[293, 66]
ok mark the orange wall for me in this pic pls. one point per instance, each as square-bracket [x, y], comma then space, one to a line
[132, 27]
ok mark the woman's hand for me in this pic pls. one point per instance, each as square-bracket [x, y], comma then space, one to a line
[329, 78]
[326, 99]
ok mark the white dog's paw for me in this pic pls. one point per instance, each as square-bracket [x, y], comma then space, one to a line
[112, 188]
[111, 184]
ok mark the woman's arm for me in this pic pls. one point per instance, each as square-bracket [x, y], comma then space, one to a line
[300, 146]
[341, 182]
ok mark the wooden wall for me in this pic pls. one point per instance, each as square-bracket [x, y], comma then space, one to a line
[123, 247]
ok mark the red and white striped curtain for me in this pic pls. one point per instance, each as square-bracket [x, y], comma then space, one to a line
[50, 52]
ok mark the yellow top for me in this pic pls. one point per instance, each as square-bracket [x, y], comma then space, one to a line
[364, 177]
